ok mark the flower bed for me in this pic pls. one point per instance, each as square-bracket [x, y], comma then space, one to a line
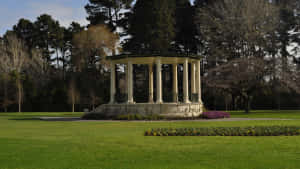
[227, 131]
[215, 115]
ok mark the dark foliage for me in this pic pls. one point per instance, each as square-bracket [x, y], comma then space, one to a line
[151, 27]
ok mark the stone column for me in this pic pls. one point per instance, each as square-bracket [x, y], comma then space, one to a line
[193, 75]
[130, 83]
[158, 82]
[198, 81]
[112, 82]
[126, 78]
[186, 81]
[175, 83]
[150, 83]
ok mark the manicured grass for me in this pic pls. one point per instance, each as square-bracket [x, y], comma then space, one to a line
[33, 144]
[283, 114]
[43, 114]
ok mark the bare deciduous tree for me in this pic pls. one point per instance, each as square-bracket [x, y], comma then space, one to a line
[74, 95]
[241, 77]
[93, 45]
[15, 60]
[237, 36]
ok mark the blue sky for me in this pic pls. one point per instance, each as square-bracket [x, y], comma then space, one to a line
[65, 11]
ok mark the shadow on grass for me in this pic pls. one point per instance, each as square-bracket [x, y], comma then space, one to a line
[25, 119]
[47, 119]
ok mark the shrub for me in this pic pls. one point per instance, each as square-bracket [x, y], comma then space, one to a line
[215, 115]
[227, 131]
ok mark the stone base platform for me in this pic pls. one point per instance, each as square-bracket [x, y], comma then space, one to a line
[164, 109]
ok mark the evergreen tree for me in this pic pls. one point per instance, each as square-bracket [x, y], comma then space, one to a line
[151, 27]
[286, 30]
[24, 29]
[44, 37]
[203, 3]
[69, 34]
[110, 12]
[185, 39]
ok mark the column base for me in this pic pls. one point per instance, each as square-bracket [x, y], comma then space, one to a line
[187, 101]
[151, 100]
[130, 102]
[175, 97]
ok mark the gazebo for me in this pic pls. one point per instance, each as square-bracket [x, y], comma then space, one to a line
[186, 108]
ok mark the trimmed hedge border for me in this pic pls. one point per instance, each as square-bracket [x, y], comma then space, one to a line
[227, 131]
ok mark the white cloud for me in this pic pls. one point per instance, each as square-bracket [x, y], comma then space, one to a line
[64, 14]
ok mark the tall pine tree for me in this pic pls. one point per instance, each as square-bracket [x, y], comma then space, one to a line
[109, 12]
[152, 27]
[185, 39]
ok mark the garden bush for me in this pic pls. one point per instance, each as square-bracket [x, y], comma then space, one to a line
[215, 115]
[227, 131]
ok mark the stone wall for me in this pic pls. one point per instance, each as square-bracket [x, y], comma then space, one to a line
[165, 109]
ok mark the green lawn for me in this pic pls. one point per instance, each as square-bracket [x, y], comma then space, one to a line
[26, 143]
[283, 114]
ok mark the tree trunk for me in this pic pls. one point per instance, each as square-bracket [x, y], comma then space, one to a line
[19, 95]
[57, 59]
[247, 104]
[226, 103]
[73, 107]
[5, 88]
[279, 98]
[233, 102]
[64, 67]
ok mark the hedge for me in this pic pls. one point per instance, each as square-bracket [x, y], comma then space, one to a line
[227, 131]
